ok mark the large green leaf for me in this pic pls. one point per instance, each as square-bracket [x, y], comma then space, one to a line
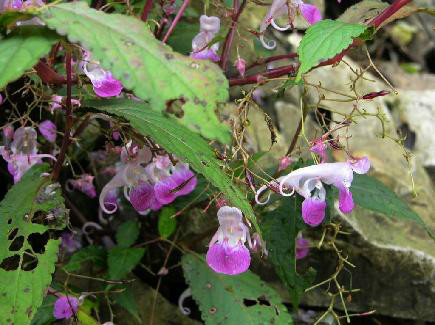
[167, 223]
[22, 49]
[122, 260]
[324, 40]
[151, 69]
[127, 233]
[182, 142]
[233, 299]
[373, 195]
[93, 254]
[280, 228]
[30, 209]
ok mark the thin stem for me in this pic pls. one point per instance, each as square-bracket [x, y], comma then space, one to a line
[176, 19]
[271, 59]
[388, 12]
[237, 10]
[146, 9]
[69, 118]
[258, 77]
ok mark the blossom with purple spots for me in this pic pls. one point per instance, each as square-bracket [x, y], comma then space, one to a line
[308, 182]
[227, 252]
[65, 307]
[209, 27]
[22, 153]
[48, 130]
[289, 8]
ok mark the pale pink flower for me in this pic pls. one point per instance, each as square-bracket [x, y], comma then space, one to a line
[83, 184]
[48, 130]
[208, 29]
[302, 247]
[240, 65]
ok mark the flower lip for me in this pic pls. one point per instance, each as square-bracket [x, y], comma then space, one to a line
[65, 307]
[225, 259]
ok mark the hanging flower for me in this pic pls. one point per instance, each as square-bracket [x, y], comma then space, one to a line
[289, 8]
[302, 247]
[227, 252]
[56, 103]
[308, 182]
[65, 307]
[8, 133]
[102, 80]
[319, 148]
[84, 184]
[240, 65]
[208, 28]
[22, 153]
[48, 130]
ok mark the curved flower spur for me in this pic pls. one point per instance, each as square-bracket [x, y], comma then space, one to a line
[289, 8]
[308, 182]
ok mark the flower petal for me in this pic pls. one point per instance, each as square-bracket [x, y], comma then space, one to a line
[65, 307]
[302, 248]
[180, 183]
[223, 258]
[360, 165]
[310, 13]
[345, 199]
[108, 87]
[142, 197]
[313, 211]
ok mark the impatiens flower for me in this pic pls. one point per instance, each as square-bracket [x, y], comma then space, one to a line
[240, 65]
[48, 130]
[302, 247]
[8, 133]
[22, 153]
[289, 8]
[284, 163]
[116, 135]
[56, 103]
[227, 252]
[84, 184]
[208, 28]
[12, 5]
[70, 243]
[102, 81]
[319, 148]
[308, 182]
[65, 307]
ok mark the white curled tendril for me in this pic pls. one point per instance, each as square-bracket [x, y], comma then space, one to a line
[259, 192]
[270, 45]
[281, 187]
[279, 28]
[186, 294]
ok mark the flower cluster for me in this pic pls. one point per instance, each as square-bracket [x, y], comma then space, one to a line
[209, 27]
[308, 182]
[227, 252]
[22, 153]
[289, 8]
[149, 183]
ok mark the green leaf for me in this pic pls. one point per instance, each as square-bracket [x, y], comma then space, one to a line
[44, 315]
[22, 49]
[363, 11]
[127, 300]
[93, 254]
[167, 223]
[26, 264]
[127, 233]
[324, 40]
[182, 142]
[169, 81]
[280, 228]
[371, 194]
[122, 260]
[10, 17]
[233, 299]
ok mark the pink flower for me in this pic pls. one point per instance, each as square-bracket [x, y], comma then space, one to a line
[308, 182]
[227, 252]
[102, 81]
[84, 184]
[65, 307]
[12, 5]
[284, 163]
[22, 153]
[182, 182]
[302, 247]
[209, 27]
[240, 65]
[8, 132]
[281, 8]
[48, 130]
[56, 103]
[116, 135]
[319, 148]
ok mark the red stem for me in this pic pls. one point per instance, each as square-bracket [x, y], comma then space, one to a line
[271, 59]
[176, 19]
[376, 22]
[237, 10]
[146, 9]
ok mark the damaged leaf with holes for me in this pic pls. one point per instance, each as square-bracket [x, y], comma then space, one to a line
[233, 299]
[28, 244]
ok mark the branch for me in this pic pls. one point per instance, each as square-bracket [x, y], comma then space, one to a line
[271, 59]
[146, 10]
[259, 77]
[230, 36]
[176, 19]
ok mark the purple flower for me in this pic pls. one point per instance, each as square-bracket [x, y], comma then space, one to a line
[70, 243]
[56, 103]
[308, 182]
[84, 184]
[289, 8]
[22, 153]
[319, 148]
[8, 132]
[284, 163]
[240, 65]
[182, 182]
[48, 130]
[302, 247]
[227, 252]
[65, 307]
[116, 135]
[143, 197]
[102, 81]
[12, 5]
[209, 27]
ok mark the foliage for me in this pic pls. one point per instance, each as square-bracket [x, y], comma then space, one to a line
[127, 233]
[22, 49]
[93, 254]
[238, 299]
[167, 223]
[186, 88]
[26, 268]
